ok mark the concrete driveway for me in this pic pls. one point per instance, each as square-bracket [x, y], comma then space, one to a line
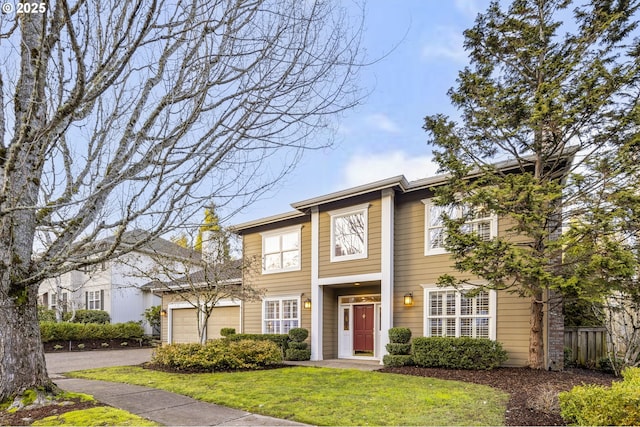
[59, 363]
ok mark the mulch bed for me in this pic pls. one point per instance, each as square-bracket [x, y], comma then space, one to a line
[25, 417]
[89, 345]
[533, 394]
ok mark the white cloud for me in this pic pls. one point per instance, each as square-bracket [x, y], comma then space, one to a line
[382, 122]
[445, 42]
[470, 8]
[366, 168]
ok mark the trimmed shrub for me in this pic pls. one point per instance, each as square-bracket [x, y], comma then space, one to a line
[89, 316]
[225, 332]
[298, 353]
[457, 353]
[52, 331]
[398, 349]
[399, 335]
[298, 345]
[46, 315]
[81, 316]
[218, 355]
[397, 360]
[618, 405]
[282, 340]
[298, 334]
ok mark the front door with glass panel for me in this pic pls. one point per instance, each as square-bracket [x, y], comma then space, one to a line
[359, 326]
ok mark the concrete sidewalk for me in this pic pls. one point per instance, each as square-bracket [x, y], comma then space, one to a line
[167, 408]
[157, 405]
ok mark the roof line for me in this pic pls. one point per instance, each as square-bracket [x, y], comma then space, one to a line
[395, 181]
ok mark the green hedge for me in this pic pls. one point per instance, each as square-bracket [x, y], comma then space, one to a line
[457, 353]
[225, 332]
[218, 355]
[282, 340]
[618, 405]
[52, 331]
[81, 316]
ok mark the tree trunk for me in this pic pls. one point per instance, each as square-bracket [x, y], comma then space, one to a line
[536, 337]
[22, 362]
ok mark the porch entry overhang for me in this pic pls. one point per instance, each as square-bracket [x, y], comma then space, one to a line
[359, 327]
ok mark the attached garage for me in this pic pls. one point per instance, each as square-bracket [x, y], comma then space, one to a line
[223, 317]
[183, 326]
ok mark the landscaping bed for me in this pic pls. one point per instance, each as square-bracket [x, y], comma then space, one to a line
[95, 344]
[25, 417]
[533, 394]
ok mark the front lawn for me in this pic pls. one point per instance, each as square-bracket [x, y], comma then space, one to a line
[324, 396]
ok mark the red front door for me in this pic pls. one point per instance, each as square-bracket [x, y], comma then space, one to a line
[363, 328]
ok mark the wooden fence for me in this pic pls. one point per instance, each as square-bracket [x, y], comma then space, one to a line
[587, 345]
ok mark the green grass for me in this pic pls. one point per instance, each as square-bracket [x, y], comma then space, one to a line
[100, 416]
[324, 396]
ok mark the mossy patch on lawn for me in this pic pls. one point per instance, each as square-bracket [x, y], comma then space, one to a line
[100, 416]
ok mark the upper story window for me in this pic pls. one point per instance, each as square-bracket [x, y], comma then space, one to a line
[349, 233]
[281, 250]
[453, 313]
[482, 223]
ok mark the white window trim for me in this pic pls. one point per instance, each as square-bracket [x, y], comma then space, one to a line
[279, 232]
[428, 203]
[281, 298]
[493, 306]
[338, 213]
[92, 300]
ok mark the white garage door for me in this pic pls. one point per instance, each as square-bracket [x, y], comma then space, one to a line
[223, 317]
[184, 325]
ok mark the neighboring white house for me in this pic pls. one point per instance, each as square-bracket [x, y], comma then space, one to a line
[116, 285]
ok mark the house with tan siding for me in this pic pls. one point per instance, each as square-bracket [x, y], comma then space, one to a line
[351, 264]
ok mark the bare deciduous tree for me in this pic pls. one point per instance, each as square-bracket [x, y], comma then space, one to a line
[136, 114]
[206, 284]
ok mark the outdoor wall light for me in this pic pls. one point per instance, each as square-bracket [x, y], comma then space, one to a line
[163, 312]
[408, 299]
[307, 304]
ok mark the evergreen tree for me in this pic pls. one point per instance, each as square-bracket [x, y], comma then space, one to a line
[537, 91]
[214, 238]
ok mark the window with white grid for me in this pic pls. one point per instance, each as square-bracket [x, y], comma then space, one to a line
[483, 223]
[280, 315]
[349, 233]
[93, 300]
[281, 250]
[453, 313]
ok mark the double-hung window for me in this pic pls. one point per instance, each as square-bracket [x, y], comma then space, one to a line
[94, 300]
[281, 250]
[280, 315]
[453, 313]
[480, 221]
[349, 233]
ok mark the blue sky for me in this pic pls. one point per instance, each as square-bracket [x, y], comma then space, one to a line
[383, 136]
